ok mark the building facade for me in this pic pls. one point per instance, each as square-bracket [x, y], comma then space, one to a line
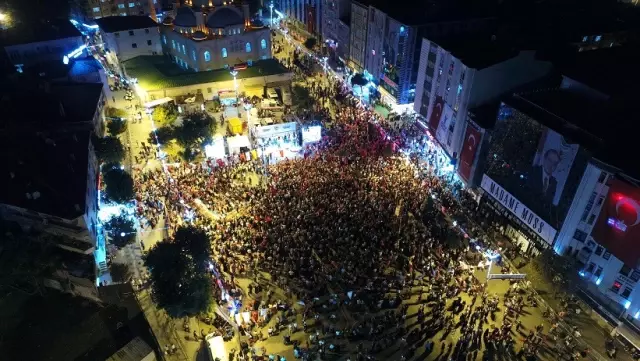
[96, 9]
[358, 36]
[219, 38]
[344, 39]
[129, 36]
[304, 15]
[449, 84]
[332, 12]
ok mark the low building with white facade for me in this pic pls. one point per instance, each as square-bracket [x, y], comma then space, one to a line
[126, 37]
[26, 45]
[214, 38]
[458, 74]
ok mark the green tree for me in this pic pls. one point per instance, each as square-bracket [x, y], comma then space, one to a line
[301, 97]
[122, 231]
[179, 278]
[118, 185]
[120, 272]
[108, 149]
[165, 134]
[195, 130]
[359, 80]
[111, 112]
[165, 115]
[310, 43]
[116, 126]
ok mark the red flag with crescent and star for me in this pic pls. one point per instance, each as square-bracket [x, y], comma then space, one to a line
[436, 114]
[472, 139]
[618, 225]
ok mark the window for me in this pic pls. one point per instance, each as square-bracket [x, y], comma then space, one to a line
[598, 272]
[584, 39]
[164, 39]
[146, 31]
[184, 50]
[600, 199]
[131, 5]
[209, 90]
[602, 177]
[591, 267]
[587, 209]
[580, 236]
[148, 42]
[598, 38]
[598, 251]
[635, 275]
[247, 47]
[625, 270]
[130, 32]
[173, 44]
[134, 45]
[606, 255]
[263, 44]
[224, 52]
[616, 287]
[117, 35]
[625, 294]
[193, 55]
[120, 6]
[592, 218]
[96, 10]
[207, 56]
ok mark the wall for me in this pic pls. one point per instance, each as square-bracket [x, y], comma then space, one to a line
[235, 46]
[358, 36]
[495, 80]
[344, 33]
[32, 53]
[376, 30]
[98, 8]
[147, 42]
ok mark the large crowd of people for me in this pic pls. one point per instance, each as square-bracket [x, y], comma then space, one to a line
[347, 242]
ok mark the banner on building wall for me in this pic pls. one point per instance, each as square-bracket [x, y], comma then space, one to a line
[436, 113]
[472, 138]
[618, 225]
[443, 133]
[524, 214]
[551, 165]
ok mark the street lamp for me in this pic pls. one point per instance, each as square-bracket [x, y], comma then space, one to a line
[271, 7]
[234, 74]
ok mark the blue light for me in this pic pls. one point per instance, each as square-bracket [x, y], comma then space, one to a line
[598, 281]
[402, 29]
[581, 273]
[74, 54]
[627, 304]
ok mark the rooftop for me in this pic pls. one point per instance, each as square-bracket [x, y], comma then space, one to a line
[430, 11]
[158, 72]
[26, 33]
[113, 24]
[584, 120]
[45, 173]
[477, 51]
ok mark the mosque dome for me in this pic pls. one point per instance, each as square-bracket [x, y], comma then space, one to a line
[185, 17]
[224, 17]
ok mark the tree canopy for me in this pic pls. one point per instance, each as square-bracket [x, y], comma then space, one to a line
[116, 126]
[111, 112]
[359, 80]
[120, 272]
[310, 43]
[301, 97]
[108, 149]
[165, 115]
[118, 184]
[195, 130]
[122, 231]
[179, 277]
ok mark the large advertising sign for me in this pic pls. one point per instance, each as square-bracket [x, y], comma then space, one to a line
[551, 166]
[532, 220]
[267, 131]
[472, 138]
[618, 225]
[436, 113]
[443, 133]
[311, 134]
[536, 164]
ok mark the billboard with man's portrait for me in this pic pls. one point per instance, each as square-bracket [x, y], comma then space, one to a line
[536, 165]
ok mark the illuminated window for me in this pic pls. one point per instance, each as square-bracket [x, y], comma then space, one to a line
[193, 55]
[173, 44]
[120, 6]
[616, 287]
[164, 39]
[207, 56]
[184, 50]
[598, 38]
[247, 47]
[263, 44]
[131, 5]
[224, 52]
[96, 10]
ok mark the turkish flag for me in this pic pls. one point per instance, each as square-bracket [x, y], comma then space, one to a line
[618, 225]
[472, 139]
[436, 114]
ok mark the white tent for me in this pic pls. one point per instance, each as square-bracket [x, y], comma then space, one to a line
[237, 142]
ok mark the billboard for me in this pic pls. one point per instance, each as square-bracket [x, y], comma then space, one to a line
[311, 134]
[443, 133]
[551, 166]
[436, 113]
[535, 164]
[528, 217]
[618, 225]
[472, 139]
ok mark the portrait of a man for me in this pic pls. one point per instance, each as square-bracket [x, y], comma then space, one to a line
[542, 179]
